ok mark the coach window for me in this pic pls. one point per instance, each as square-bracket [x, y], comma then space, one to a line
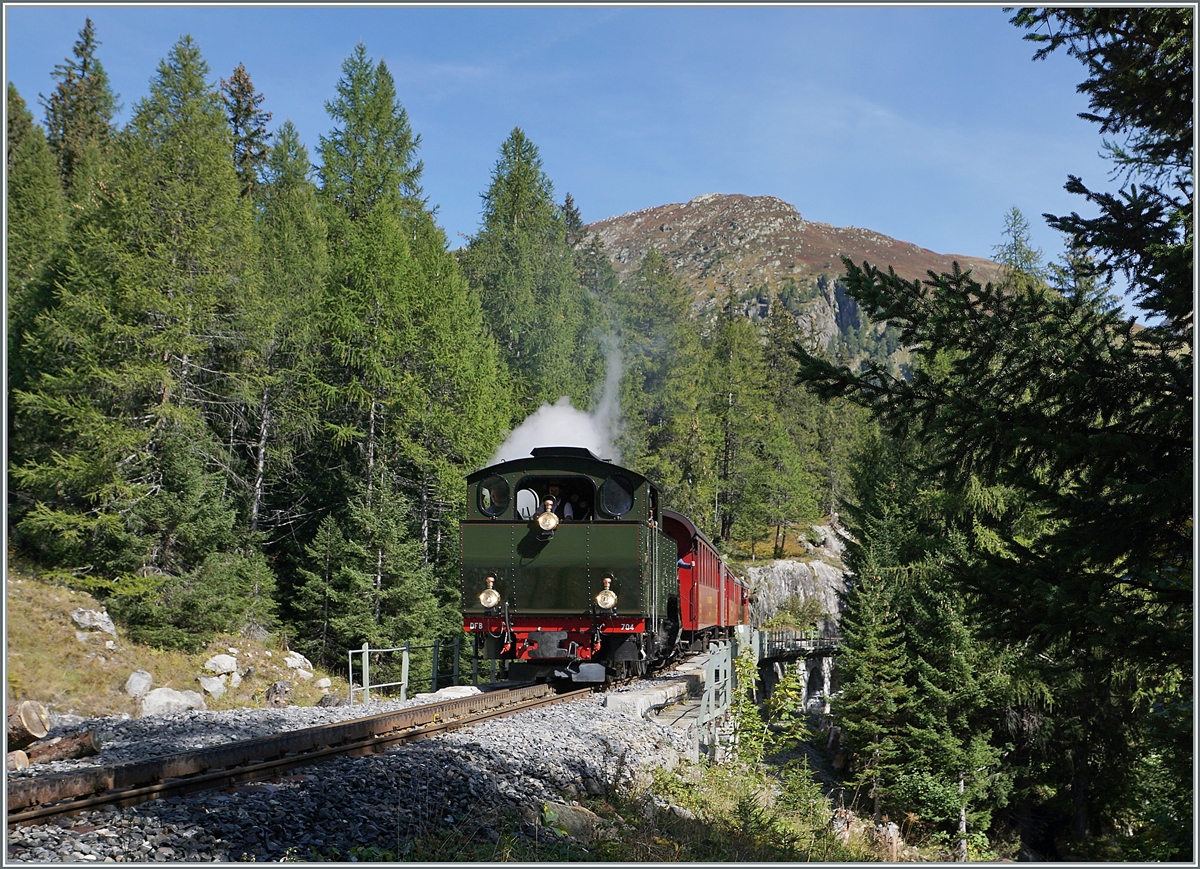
[616, 496]
[493, 496]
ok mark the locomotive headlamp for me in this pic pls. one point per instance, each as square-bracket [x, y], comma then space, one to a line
[547, 522]
[607, 599]
[489, 597]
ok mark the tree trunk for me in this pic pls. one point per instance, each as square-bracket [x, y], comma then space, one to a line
[28, 722]
[960, 852]
[17, 760]
[260, 463]
[63, 748]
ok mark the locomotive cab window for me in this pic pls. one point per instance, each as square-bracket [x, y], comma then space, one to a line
[616, 496]
[493, 496]
[527, 503]
[571, 497]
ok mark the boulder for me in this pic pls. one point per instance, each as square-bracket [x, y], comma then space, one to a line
[324, 682]
[574, 821]
[331, 700]
[163, 700]
[93, 620]
[138, 683]
[213, 685]
[296, 661]
[235, 679]
[304, 674]
[221, 664]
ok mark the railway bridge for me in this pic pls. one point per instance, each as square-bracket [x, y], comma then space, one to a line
[816, 651]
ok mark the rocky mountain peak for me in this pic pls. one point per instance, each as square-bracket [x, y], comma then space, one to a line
[720, 241]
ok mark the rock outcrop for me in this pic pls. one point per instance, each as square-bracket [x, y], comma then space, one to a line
[822, 578]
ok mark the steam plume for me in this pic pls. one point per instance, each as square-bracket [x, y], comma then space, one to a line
[562, 425]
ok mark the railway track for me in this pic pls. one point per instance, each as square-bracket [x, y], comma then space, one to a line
[37, 798]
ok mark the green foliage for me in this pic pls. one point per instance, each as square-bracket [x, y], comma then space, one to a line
[796, 613]
[524, 271]
[247, 126]
[1052, 521]
[752, 734]
[36, 226]
[79, 114]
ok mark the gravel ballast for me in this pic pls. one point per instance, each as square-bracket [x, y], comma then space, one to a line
[469, 779]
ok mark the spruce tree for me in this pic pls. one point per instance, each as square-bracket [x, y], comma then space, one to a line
[79, 116]
[130, 360]
[524, 271]
[1050, 393]
[36, 223]
[248, 126]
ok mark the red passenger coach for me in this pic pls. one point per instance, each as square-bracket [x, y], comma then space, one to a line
[712, 599]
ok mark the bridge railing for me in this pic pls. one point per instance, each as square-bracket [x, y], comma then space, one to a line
[788, 644]
[718, 690]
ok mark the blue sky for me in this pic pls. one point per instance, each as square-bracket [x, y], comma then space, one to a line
[924, 123]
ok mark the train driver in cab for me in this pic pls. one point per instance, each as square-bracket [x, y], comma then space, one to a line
[558, 505]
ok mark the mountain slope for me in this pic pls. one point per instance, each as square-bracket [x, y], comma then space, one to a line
[730, 240]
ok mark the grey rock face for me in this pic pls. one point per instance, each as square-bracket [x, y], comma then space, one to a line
[93, 620]
[775, 583]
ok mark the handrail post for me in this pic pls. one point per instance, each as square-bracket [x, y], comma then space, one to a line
[433, 682]
[366, 668]
[404, 674]
[350, 673]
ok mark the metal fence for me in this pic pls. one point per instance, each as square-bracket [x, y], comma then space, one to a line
[399, 670]
[719, 685]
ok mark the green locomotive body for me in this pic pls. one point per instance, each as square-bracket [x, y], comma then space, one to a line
[566, 571]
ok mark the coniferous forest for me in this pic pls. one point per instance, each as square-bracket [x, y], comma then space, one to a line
[245, 382]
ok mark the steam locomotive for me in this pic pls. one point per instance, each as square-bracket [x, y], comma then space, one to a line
[572, 570]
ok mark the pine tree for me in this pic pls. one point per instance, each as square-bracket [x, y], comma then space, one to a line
[248, 125]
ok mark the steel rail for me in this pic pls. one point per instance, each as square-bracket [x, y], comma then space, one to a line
[30, 799]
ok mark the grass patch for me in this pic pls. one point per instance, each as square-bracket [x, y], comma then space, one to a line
[48, 659]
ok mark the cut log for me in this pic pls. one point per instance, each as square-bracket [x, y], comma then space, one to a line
[17, 760]
[63, 748]
[28, 722]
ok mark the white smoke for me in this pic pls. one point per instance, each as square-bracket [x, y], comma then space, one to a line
[562, 425]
